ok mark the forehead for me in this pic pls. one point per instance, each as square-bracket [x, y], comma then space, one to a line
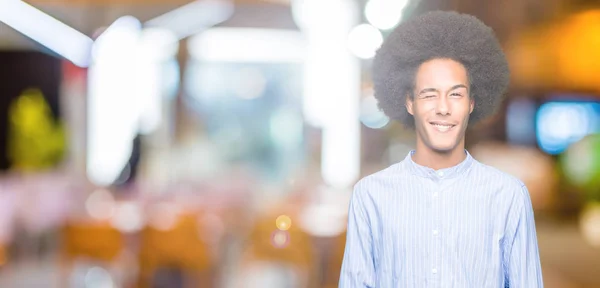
[441, 73]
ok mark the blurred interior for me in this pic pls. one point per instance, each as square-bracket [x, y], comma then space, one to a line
[215, 143]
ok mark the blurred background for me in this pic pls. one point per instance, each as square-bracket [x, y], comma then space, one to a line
[215, 143]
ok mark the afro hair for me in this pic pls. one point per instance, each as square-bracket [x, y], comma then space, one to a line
[436, 35]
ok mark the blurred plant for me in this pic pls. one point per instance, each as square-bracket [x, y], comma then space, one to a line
[581, 166]
[36, 141]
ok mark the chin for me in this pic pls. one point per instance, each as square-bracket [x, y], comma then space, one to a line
[442, 147]
[444, 142]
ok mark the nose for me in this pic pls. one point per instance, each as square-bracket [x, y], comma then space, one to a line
[442, 107]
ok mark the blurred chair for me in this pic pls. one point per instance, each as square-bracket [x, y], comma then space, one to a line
[97, 242]
[292, 249]
[176, 248]
[335, 257]
[3, 255]
[94, 240]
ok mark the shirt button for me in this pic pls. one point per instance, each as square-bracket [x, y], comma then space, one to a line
[435, 194]
[435, 232]
[440, 173]
[434, 271]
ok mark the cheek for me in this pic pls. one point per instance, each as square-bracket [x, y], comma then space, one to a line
[462, 109]
[425, 107]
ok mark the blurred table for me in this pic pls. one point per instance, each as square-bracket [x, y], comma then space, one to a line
[567, 260]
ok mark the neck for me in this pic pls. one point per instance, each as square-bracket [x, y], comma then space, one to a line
[436, 160]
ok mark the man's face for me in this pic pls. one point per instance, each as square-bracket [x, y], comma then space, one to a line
[441, 105]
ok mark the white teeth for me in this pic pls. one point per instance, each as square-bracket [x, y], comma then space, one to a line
[442, 128]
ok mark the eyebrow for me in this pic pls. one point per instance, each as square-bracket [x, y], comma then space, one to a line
[435, 90]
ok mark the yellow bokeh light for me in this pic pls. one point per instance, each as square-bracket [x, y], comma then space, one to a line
[283, 222]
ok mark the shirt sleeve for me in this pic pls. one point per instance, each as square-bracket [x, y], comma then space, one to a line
[521, 255]
[358, 269]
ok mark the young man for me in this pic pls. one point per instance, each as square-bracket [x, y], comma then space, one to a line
[439, 218]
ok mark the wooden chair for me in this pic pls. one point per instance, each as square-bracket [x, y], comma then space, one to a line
[297, 252]
[179, 247]
[96, 242]
[335, 257]
[3, 255]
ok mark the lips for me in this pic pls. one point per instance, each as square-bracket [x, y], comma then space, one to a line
[442, 126]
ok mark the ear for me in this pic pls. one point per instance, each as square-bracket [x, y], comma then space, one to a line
[472, 106]
[409, 105]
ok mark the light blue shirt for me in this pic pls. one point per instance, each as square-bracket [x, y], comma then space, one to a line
[470, 225]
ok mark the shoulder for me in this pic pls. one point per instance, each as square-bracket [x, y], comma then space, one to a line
[382, 178]
[494, 175]
[380, 183]
[510, 186]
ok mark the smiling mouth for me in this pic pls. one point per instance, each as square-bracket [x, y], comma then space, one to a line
[442, 127]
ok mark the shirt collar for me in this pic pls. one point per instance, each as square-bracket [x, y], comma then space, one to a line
[446, 173]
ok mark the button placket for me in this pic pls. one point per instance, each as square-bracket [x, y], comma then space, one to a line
[435, 232]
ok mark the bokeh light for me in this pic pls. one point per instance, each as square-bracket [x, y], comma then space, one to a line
[589, 224]
[283, 222]
[280, 239]
[163, 216]
[128, 217]
[581, 163]
[370, 114]
[384, 14]
[100, 205]
[324, 220]
[98, 277]
[364, 40]
[326, 216]
[560, 124]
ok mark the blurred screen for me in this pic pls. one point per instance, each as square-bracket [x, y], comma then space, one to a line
[520, 122]
[561, 123]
